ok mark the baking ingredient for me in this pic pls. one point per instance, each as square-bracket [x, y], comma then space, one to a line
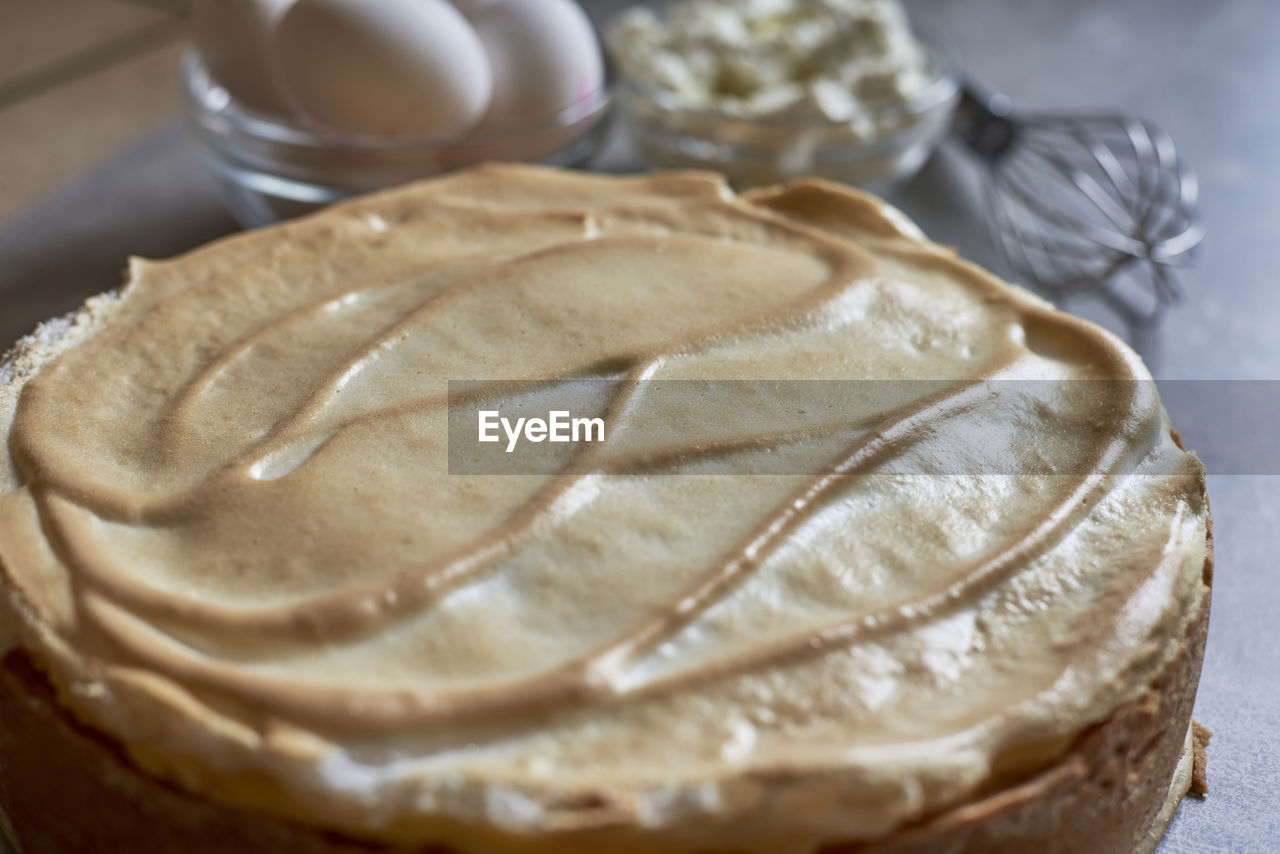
[544, 57]
[470, 7]
[234, 39]
[390, 67]
[767, 58]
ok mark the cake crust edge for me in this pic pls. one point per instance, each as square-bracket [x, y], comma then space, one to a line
[66, 788]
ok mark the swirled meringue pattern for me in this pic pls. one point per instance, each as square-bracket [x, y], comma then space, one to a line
[229, 530]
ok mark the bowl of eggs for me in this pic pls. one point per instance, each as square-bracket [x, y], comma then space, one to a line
[299, 103]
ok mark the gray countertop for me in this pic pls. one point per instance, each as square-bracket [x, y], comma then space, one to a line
[1208, 73]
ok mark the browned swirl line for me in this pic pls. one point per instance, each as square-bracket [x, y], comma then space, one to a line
[974, 581]
[186, 396]
[579, 678]
[119, 504]
[374, 603]
[584, 678]
[322, 705]
[124, 505]
[369, 353]
[287, 430]
[348, 611]
[748, 555]
[200, 381]
[562, 682]
[659, 459]
[1139, 398]
[587, 677]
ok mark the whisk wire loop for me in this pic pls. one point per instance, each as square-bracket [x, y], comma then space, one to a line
[1089, 203]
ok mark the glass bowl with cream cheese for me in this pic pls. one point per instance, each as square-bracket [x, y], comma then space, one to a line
[272, 168]
[766, 90]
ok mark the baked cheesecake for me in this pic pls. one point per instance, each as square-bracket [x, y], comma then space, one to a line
[874, 552]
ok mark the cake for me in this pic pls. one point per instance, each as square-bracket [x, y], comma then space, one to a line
[907, 561]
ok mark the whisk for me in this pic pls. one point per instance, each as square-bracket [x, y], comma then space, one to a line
[1095, 204]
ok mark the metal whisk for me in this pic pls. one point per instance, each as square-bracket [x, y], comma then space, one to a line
[1094, 204]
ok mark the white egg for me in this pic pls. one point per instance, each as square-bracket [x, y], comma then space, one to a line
[470, 7]
[544, 55]
[234, 40]
[385, 67]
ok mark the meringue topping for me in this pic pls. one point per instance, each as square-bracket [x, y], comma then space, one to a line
[231, 533]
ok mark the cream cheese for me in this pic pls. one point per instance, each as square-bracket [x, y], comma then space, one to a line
[836, 59]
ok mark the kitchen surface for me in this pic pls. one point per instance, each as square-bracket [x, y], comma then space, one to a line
[95, 165]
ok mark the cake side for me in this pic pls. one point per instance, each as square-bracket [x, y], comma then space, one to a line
[70, 788]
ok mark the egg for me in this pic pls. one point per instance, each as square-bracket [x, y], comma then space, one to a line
[388, 67]
[234, 41]
[470, 7]
[544, 57]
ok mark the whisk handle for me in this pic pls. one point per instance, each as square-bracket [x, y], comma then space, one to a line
[984, 120]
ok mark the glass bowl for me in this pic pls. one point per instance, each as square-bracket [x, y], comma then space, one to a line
[272, 169]
[887, 144]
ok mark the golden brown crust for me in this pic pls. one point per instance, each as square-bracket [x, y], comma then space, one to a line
[1103, 796]
[1200, 736]
[67, 789]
